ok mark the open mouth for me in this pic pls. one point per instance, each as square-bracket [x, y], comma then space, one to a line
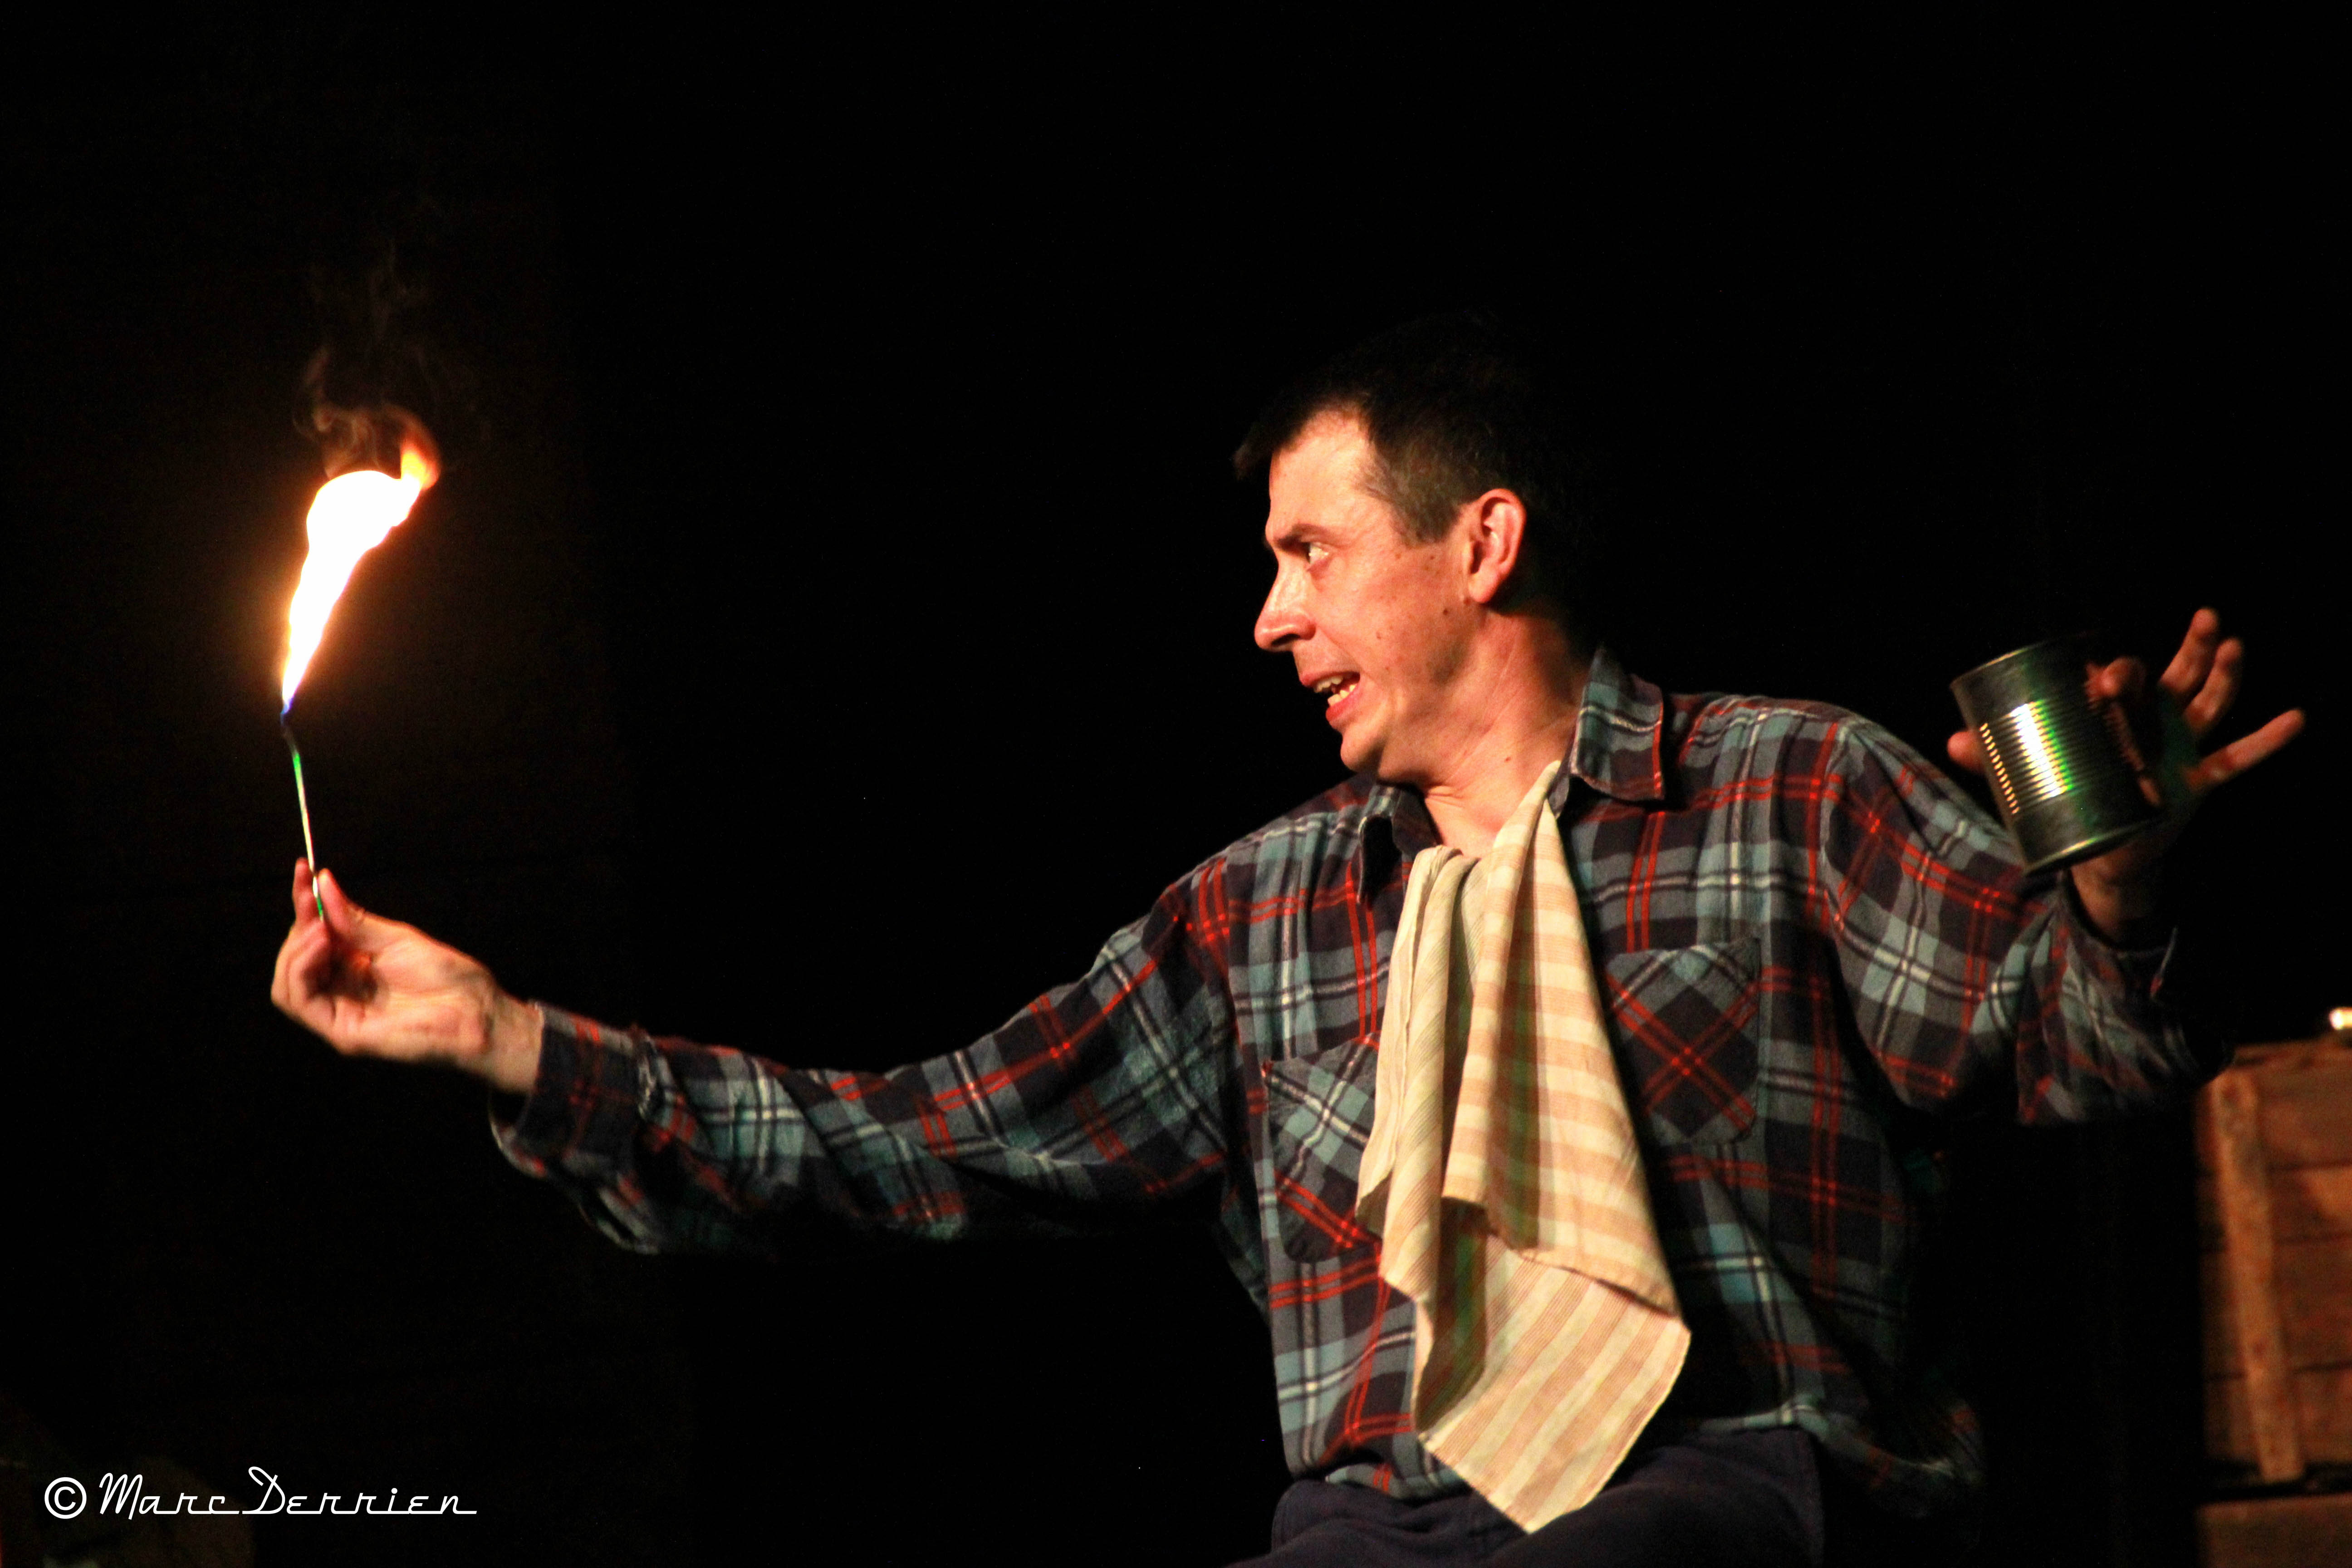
[1333, 688]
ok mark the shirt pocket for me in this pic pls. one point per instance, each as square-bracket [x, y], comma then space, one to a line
[1685, 1020]
[1319, 1113]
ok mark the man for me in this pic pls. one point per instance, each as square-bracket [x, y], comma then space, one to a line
[1806, 941]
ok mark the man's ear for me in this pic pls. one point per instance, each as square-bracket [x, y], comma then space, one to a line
[1493, 529]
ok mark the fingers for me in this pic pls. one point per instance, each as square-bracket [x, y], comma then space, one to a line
[299, 986]
[2204, 676]
[302, 941]
[1964, 750]
[2203, 681]
[344, 918]
[2213, 698]
[319, 965]
[2121, 681]
[328, 989]
[2186, 674]
[281, 992]
[2227, 762]
[2123, 684]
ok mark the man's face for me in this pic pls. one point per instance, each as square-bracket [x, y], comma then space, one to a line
[1379, 625]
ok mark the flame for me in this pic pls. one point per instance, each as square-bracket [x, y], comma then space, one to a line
[353, 515]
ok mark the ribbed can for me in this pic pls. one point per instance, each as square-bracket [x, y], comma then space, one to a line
[2061, 777]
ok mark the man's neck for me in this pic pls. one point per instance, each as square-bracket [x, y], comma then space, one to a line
[1523, 718]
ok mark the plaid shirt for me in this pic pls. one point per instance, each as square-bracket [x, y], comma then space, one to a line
[1812, 945]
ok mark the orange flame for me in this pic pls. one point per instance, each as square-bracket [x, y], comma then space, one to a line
[353, 515]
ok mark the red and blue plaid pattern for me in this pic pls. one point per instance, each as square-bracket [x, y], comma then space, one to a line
[1806, 938]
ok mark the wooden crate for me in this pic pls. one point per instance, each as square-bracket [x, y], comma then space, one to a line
[2274, 1207]
[2277, 1533]
[2275, 1197]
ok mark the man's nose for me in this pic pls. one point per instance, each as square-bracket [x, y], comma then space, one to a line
[1281, 621]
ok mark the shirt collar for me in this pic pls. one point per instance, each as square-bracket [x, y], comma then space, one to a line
[1619, 749]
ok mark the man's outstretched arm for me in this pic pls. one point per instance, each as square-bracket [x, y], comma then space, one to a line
[370, 986]
[1098, 1102]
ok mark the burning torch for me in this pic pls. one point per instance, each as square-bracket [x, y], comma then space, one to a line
[352, 514]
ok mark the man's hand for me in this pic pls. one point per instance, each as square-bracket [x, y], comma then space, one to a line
[2122, 890]
[370, 986]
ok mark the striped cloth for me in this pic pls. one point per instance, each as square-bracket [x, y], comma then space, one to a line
[1505, 1182]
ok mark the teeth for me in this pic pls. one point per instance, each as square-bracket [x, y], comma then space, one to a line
[1335, 688]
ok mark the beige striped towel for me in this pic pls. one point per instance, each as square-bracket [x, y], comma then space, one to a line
[1504, 1180]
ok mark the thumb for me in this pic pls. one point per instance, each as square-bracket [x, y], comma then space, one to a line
[345, 919]
[1965, 751]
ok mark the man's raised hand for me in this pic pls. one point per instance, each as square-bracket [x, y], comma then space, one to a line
[370, 986]
[2120, 889]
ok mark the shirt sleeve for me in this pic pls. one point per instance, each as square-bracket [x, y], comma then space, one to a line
[1970, 979]
[1101, 1100]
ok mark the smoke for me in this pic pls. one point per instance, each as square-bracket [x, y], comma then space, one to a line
[376, 363]
[370, 437]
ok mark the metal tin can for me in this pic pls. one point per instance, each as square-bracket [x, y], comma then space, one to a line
[2060, 772]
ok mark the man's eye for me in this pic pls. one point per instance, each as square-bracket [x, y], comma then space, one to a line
[1316, 553]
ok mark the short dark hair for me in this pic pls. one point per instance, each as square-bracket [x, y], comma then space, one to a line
[1456, 406]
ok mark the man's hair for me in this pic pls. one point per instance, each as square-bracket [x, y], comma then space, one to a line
[1454, 405]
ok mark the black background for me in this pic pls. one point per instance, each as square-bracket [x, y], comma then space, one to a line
[834, 618]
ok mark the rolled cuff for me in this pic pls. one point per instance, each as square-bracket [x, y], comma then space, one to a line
[2166, 977]
[582, 1116]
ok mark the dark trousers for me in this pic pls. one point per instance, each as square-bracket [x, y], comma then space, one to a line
[1743, 1500]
